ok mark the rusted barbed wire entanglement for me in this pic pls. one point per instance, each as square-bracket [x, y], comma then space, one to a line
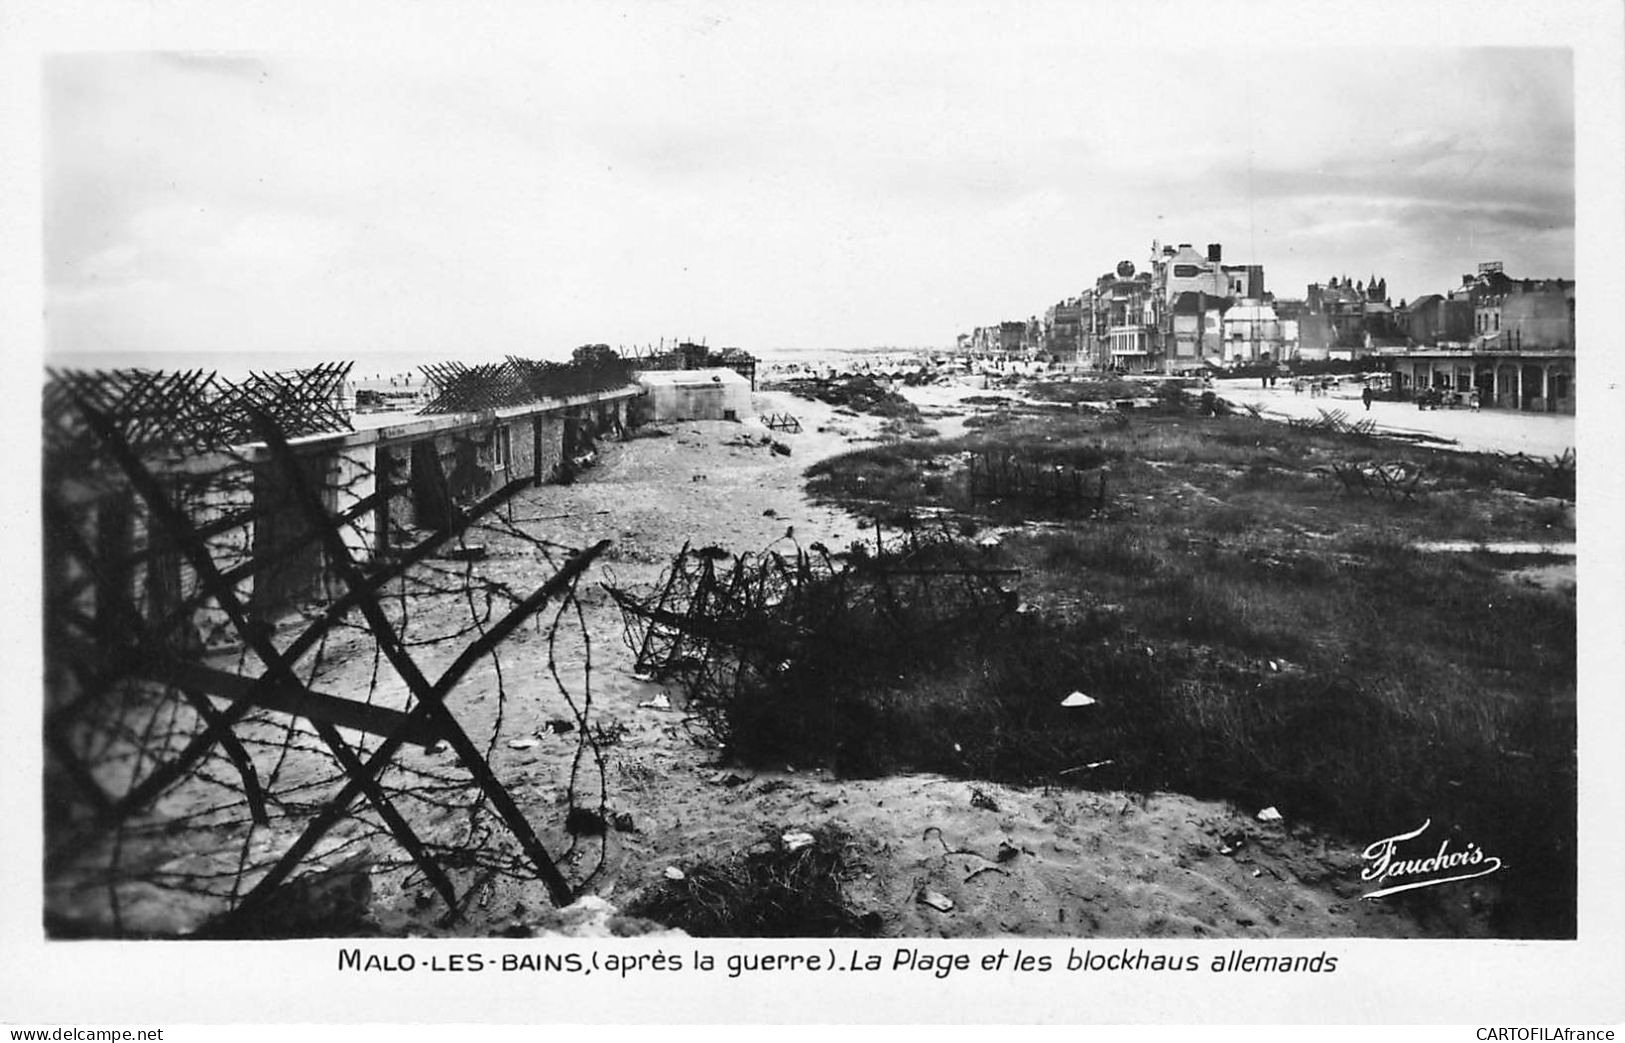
[1005, 477]
[727, 628]
[282, 653]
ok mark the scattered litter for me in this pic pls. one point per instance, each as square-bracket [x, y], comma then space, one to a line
[1275, 666]
[623, 822]
[936, 900]
[1078, 699]
[522, 744]
[770, 513]
[641, 675]
[797, 841]
[560, 726]
[673, 873]
[989, 543]
[659, 702]
[438, 746]
[1091, 766]
[985, 869]
[979, 799]
[1149, 651]
[1269, 814]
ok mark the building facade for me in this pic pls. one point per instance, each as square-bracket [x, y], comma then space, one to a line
[1125, 307]
[1509, 340]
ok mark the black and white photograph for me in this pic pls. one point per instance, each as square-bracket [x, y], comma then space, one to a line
[708, 500]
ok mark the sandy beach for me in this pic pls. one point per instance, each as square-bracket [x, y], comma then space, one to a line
[1084, 863]
[1088, 863]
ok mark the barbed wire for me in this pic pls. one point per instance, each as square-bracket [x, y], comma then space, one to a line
[237, 674]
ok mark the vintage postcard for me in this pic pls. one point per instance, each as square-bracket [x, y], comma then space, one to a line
[1020, 514]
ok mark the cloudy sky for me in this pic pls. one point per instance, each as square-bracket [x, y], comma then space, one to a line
[871, 176]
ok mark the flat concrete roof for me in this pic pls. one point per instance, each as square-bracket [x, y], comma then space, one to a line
[691, 377]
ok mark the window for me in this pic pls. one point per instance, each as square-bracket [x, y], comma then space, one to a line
[504, 447]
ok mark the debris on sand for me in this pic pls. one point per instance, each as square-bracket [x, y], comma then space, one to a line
[1078, 699]
[585, 822]
[854, 395]
[772, 891]
[936, 900]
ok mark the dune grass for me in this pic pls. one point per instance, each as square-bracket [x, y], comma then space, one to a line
[1251, 631]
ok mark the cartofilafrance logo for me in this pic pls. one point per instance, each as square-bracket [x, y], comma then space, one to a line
[1390, 868]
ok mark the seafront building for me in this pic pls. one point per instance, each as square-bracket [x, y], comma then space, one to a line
[1510, 340]
[1519, 347]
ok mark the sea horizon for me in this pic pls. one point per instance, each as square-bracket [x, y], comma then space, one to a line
[375, 364]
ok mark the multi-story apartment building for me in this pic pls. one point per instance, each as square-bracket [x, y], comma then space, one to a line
[1344, 319]
[1433, 319]
[1194, 295]
[1063, 329]
[1125, 320]
[1518, 351]
[1252, 332]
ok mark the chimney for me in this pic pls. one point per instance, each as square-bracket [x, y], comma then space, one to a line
[1213, 253]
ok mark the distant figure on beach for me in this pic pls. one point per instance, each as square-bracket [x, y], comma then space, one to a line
[1365, 396]
[1472, 400]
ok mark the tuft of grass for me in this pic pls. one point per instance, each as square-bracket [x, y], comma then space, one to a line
[1088, 389]
[769, 892]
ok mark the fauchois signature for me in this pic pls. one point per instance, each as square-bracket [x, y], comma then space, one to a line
[1392, 873]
